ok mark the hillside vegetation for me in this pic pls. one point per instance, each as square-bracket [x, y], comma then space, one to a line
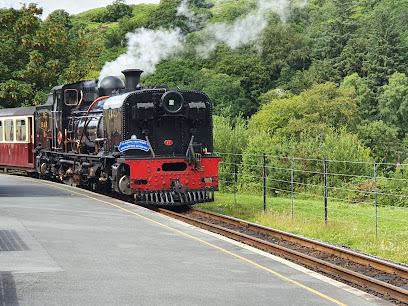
[285, 76]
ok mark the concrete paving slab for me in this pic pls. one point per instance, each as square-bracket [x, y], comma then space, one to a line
[20, 252]
[105, 252]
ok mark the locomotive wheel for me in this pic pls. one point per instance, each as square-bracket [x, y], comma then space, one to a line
[124, 185]
[43, 169]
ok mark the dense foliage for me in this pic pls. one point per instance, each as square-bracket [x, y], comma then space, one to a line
[281, 78]
[36, 55]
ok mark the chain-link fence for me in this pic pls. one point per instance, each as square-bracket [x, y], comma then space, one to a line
[374, 195]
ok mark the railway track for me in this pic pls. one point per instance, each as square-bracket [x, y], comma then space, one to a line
[379, 277]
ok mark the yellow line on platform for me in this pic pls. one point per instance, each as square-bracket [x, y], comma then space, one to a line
[195, 238]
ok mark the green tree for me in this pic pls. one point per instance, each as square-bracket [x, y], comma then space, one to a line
[117, 10]
[334, 32]
[366, 100]
[381, 139]
[393, 103]
[386, 49]
[225, 91]
[113, 12]
[316, 110]
[254, 76]
[165, 16]
[60, 16]
[174, 73]
[233, 10]
[352, 57]
[273, 94]
[36, 55]
[283, 47]
[17, 35]
[318, 73]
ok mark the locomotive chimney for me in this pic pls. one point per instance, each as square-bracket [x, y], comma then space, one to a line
[132, 78]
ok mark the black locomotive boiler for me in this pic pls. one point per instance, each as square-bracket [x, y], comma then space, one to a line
[151, 143]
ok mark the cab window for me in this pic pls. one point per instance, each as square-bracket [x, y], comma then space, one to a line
[21, 130]
[1, 130]
[71, 97]
[9, 130]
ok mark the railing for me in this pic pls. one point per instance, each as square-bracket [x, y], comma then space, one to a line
[338, 191]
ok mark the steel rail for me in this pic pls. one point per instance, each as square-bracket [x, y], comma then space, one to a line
[355, 277]
[335, 250]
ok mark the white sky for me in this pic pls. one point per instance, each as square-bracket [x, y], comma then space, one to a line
[71, 6]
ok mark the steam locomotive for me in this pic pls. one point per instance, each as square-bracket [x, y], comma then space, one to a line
[150, 143]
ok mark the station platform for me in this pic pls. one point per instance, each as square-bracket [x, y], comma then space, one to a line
[61, 245]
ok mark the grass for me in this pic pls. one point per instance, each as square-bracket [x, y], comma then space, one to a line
[352, 225]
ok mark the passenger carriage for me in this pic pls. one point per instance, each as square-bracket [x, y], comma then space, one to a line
[17, 138]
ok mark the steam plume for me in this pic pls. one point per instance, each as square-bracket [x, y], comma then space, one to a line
[146, 48]
[195, 21]
[244, 30]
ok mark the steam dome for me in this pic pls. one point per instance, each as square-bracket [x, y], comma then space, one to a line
[108, 84]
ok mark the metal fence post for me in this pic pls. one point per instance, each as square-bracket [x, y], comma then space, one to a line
[375, 199]
[264, 180]
[291, 182]
[235, 179]
[325, 191]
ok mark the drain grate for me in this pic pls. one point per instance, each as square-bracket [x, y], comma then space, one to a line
[8, 290]
[11, 241]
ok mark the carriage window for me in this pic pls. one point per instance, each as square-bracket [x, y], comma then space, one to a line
[21, 130]
[9, 130]
[71, 97]
[1, 131]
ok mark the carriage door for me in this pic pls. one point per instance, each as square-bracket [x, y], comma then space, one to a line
[30, 138]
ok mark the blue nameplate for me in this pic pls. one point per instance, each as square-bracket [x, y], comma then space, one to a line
[134, 144]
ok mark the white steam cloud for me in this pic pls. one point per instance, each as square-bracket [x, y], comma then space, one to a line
[244, 30]
[184, 10]
[146, 48]
[240, 33]
[195, 21]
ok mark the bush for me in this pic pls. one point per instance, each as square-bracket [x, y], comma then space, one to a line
[278, 153]
[117, 10]
[393, 190]
[308, 154]
[231, 137]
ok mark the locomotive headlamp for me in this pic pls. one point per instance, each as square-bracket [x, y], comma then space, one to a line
[172, 102]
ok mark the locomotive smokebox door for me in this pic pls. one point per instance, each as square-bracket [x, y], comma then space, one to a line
[172, 102]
